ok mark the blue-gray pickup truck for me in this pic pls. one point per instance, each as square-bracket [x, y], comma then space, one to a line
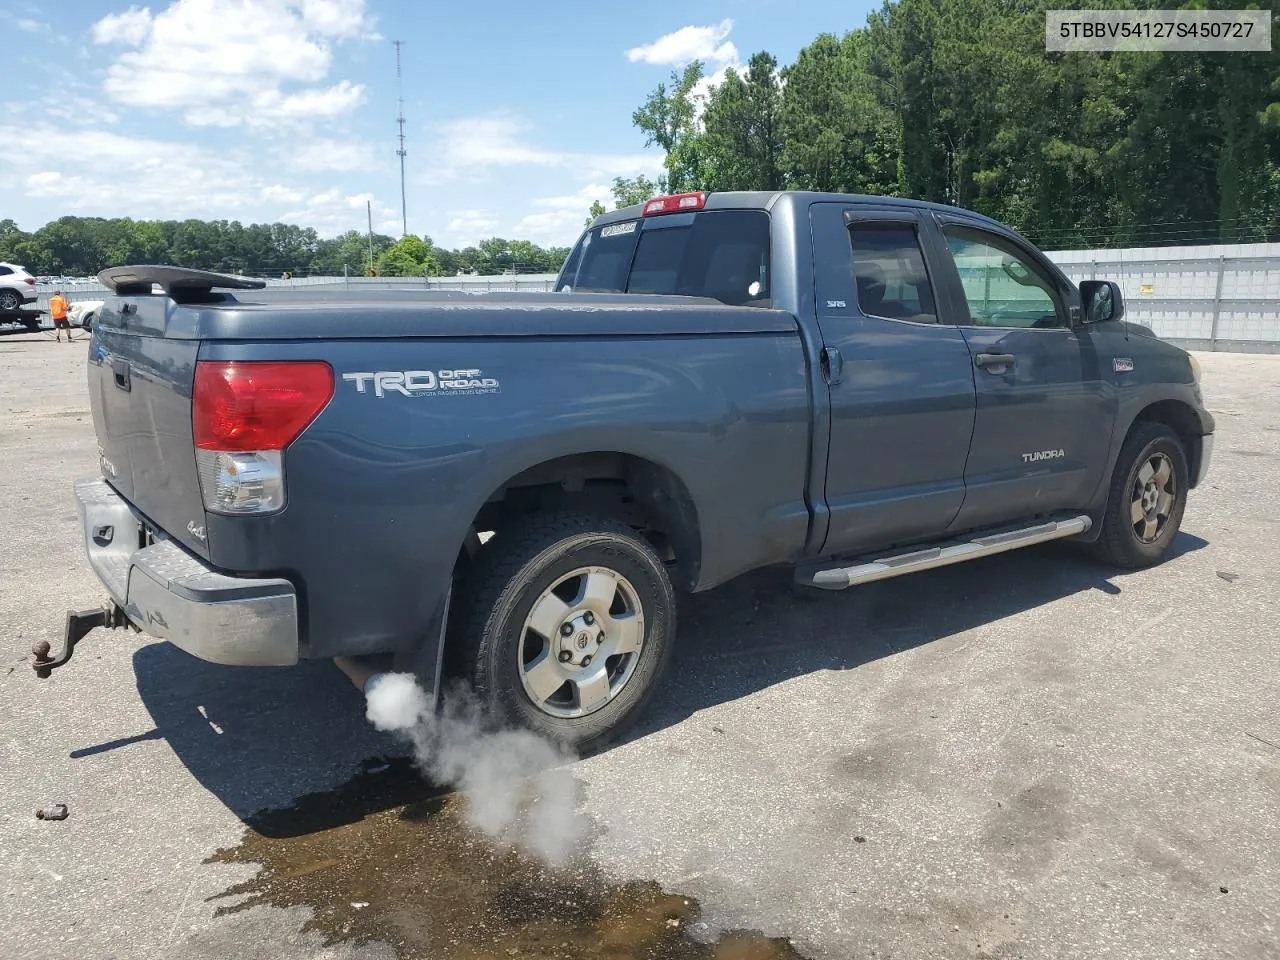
[510, 489]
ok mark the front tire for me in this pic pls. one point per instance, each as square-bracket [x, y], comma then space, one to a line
[1147, 498]
[9, 301]
[565, 626]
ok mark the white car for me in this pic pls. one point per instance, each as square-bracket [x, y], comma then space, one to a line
[82, 312]
[17, 287]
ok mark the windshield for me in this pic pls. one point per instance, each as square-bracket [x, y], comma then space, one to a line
[722, 254]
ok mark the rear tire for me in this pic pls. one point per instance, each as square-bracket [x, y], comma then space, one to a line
[1147, 498]
[564, 625]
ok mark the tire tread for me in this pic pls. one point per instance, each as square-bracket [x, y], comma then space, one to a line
[1115, 544]
[501, 565]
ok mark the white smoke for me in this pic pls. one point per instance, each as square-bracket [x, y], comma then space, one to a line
[514, 783]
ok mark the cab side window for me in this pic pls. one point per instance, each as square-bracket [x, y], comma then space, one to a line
[889, 269]
[1002, 287]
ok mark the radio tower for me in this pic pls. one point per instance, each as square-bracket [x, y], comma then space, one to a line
[404, 210]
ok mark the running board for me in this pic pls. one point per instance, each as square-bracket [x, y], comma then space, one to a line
[926, 558]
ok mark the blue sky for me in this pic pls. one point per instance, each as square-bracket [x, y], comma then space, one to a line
[518, 114]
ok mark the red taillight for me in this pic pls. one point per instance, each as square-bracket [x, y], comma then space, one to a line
[31, 280]
[255, 405]
[676, 203]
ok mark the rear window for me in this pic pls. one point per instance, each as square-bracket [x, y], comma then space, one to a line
[722, 254]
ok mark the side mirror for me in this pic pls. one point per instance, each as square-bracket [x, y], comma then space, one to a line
[1102, 300]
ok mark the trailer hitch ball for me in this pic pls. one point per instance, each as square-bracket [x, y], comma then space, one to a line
[79, 624]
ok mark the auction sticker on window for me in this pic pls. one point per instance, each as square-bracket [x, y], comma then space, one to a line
[1198, 31]
[617, 229]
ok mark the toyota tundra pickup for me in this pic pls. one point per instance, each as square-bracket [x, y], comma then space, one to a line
[510, 489]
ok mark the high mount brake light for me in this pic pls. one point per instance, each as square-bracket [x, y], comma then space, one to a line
[676, 203]
[243, 415]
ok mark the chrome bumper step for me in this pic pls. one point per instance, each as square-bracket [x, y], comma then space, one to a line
[840, 575]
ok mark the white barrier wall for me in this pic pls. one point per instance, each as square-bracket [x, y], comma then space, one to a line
[1216, 297]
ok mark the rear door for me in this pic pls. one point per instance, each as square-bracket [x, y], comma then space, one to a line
[1044, 408]
[900, 378]
[140, 395]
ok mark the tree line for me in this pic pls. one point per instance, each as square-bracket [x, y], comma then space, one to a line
[957, 101]
[81, 246]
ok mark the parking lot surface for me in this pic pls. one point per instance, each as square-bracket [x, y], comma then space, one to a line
[1024, 756]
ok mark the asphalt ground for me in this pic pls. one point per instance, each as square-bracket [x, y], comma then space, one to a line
[1023, 756]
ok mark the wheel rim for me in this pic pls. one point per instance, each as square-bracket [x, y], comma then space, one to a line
[8, 301]
[581, 642]
[1153, 496]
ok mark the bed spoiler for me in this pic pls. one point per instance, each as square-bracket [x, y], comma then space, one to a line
[180, 283]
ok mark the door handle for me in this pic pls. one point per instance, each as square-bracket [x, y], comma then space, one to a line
[989, 360]
[832, 365]
[120, 372]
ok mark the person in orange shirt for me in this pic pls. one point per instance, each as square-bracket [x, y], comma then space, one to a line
[58, 310]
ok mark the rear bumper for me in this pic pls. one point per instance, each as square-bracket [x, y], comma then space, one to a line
[170, 594]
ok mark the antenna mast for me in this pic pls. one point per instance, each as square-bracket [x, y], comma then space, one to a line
[404, 210]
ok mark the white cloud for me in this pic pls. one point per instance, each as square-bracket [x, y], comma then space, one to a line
[709, 44]
[588, 194]
[332, 213]
[76, 108]
[325, 199]
[560, 219]
[470, 145]
[109, 174]
[343, 156]
[31, 26]
[130, 27]
[226, 62]
[469, 227]
[278, 193]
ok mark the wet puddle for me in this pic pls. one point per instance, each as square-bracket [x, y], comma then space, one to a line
[387, 857]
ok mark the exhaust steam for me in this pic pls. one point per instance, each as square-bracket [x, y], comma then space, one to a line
[514, 783]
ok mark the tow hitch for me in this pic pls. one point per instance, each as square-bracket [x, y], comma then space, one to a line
[79, 623]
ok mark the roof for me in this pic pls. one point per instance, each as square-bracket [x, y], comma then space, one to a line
[767, 199]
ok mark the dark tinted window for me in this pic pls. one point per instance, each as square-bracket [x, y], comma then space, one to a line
[602, 259]
[569, 270]
[890, 272]
[719, 254]
[5, 271]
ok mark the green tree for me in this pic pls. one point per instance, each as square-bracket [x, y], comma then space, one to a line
[742, 135]
[668, 118]
[407, 257]
[597, 208]
[628, 191]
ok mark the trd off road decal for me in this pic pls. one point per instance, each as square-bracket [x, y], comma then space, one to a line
[423, 383]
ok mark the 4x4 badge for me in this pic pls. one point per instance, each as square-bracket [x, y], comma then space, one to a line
[1123, 364]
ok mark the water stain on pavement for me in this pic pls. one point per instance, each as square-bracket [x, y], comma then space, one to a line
[387, 857]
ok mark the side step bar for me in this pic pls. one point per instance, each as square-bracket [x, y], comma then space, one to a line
[941, 555]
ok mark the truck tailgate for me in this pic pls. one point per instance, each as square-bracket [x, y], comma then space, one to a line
[140, 394]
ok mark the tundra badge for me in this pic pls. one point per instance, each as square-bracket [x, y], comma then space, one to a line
[1043, 455]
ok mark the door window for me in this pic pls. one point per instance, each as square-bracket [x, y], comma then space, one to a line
[1002, 287]
[889, 270]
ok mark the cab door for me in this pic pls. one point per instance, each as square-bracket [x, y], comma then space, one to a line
[1044, 408]
[900, 378]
